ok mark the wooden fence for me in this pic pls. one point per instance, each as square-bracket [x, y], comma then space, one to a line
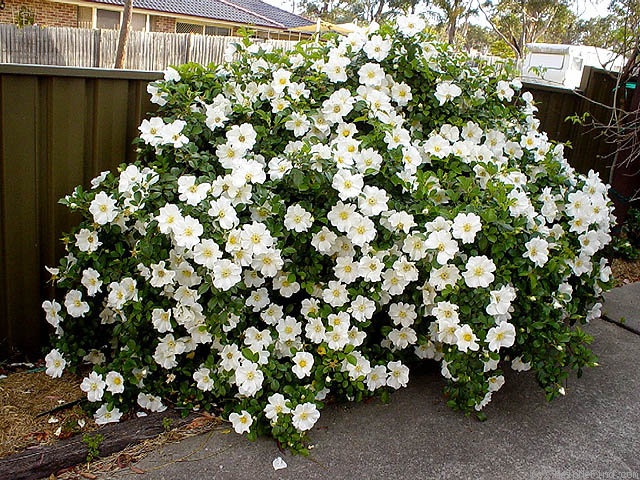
[60, 126]
[81, 47]
[588, 147]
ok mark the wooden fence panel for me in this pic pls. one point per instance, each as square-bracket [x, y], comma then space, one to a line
[59, 127]
[588, 150]
[21, 324]
[151, 51]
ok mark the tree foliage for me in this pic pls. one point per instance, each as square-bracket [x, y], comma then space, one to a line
[452, 12]
[340, 11]
[519, 22]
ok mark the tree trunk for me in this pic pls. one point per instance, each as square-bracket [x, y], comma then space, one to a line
[521, 43]
[451, 30]
[378, 14]
[125, 26]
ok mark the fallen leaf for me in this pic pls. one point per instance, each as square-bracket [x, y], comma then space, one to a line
[88, 475]
[200, 421]
[40, 436]
[65, 434]
[225, 431]
[123, 460]
[136, 470]
[64, 470]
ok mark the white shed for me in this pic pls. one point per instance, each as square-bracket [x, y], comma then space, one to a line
[561, 65]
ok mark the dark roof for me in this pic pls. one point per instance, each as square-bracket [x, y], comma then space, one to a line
[249, 12]
[288, 19]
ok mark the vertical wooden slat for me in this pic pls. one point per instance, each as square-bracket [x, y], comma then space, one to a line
[109, 131]
[20, 272]
[65, 156]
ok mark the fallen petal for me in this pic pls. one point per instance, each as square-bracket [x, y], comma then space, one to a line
[279, 464]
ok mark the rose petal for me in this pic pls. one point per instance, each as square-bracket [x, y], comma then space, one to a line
[279, 464]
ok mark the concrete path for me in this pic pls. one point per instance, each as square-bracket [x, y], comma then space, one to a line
[622, 305]
[592, 433]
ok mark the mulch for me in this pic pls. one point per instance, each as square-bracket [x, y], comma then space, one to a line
[29, 401]
[42, 425]
[626, 271]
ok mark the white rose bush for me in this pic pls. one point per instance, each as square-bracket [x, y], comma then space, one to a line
[308, 225]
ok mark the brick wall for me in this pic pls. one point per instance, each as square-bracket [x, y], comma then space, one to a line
[47, 14]
[162, 24]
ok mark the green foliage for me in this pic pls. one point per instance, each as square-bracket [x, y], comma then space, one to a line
[530, 21]
[167, 423]
[574, 119]
[360, 11]
[92, 443]
[24, 17]
[632, 226]
[501, 49]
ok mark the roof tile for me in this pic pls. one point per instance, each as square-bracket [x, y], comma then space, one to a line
[249, 12]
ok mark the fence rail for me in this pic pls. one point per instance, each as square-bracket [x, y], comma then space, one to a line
[80, 47]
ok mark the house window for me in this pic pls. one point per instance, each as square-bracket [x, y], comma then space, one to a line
[139, 22]
[214, 30]
[85, 17]
[182, 27]
[107, 19]
[188, 28]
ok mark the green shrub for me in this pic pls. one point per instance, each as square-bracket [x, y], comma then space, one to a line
[311, 223]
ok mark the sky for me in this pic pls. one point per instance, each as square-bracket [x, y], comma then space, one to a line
[584, 8]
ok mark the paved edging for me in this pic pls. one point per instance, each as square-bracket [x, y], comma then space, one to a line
[622, 306]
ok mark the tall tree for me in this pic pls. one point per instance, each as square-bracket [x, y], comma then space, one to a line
[451, 13]
[519, 22]
[339, 11]
[123, 38]
[478, 38]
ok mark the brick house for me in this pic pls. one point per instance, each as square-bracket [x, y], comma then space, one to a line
[209, 17]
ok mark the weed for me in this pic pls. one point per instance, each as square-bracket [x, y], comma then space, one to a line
[93, 445]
